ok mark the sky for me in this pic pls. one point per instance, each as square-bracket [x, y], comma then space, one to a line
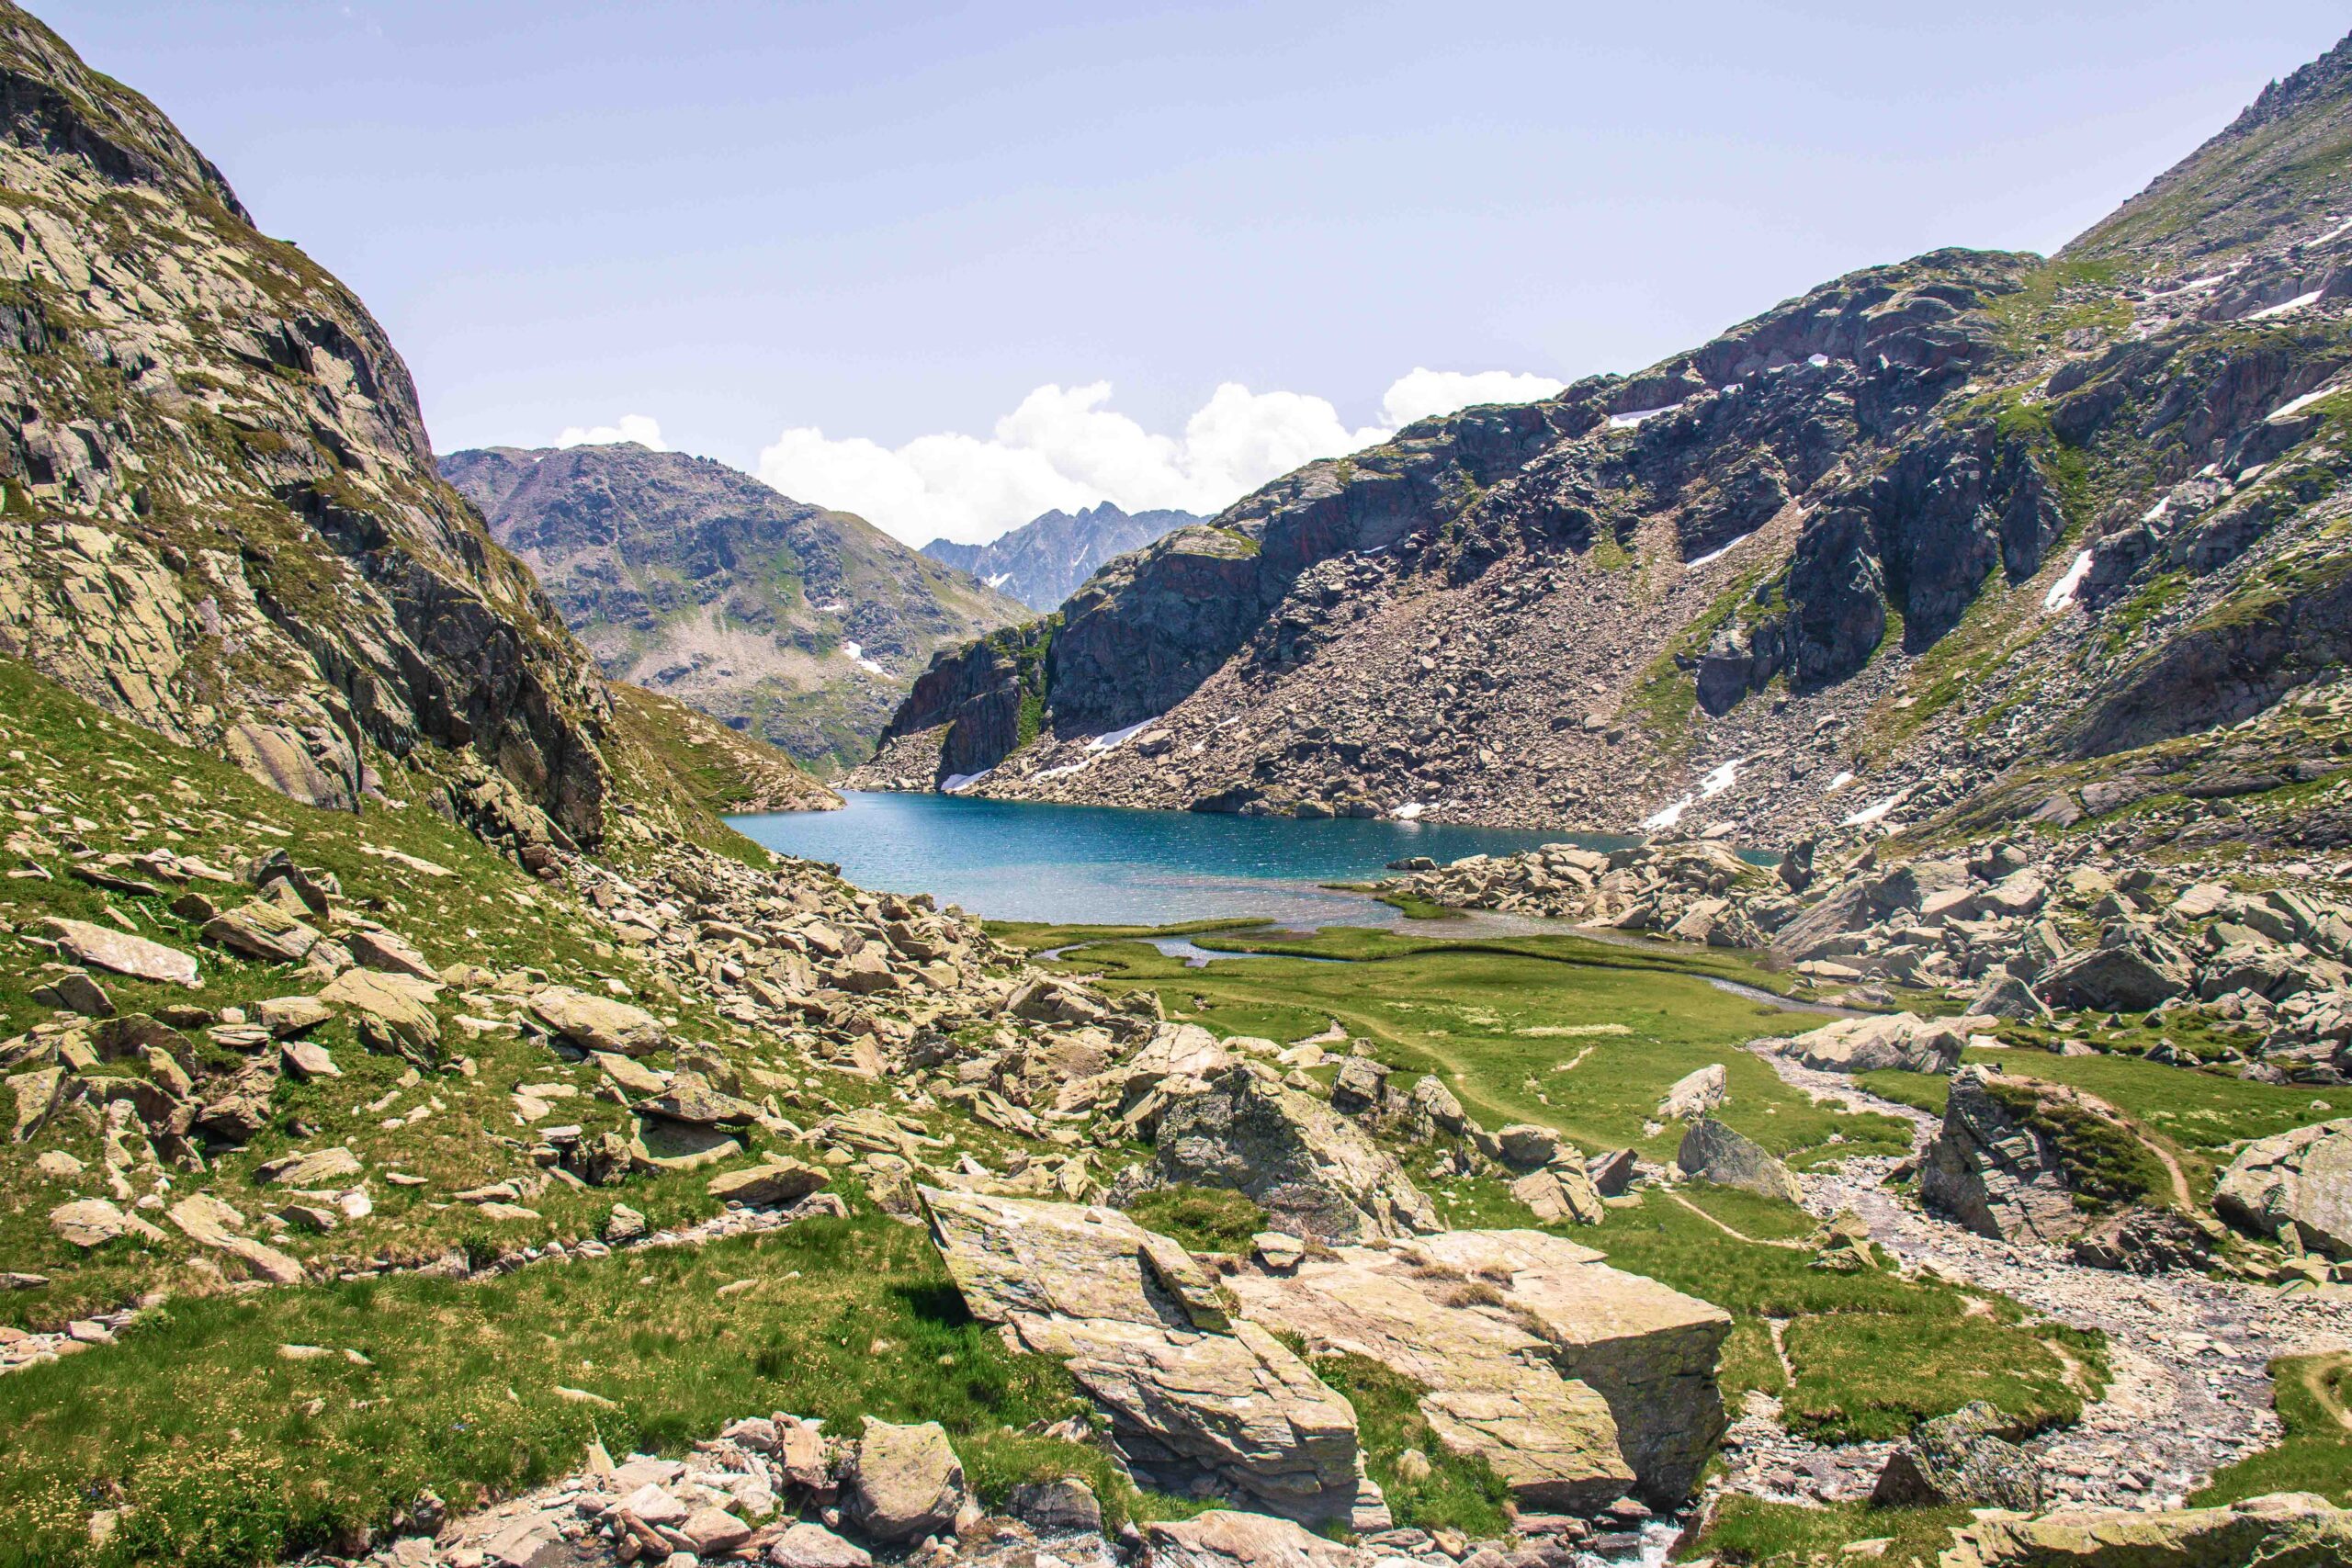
[953, 266]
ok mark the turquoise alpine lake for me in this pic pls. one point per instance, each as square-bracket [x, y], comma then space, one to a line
[1106, 865]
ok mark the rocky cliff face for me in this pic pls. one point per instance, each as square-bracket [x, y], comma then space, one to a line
[221, 517]
[797, 624]
[1976, 534]
[1042, 562]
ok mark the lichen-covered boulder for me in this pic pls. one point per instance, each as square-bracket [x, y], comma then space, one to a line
[904, 1482]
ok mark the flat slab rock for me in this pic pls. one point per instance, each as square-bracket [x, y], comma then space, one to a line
[119, 953]
[1189, 1391]
[1576, 1380]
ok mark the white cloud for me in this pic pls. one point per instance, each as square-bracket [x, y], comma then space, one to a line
[1064, 448]
[1426, 392]
[643, 429]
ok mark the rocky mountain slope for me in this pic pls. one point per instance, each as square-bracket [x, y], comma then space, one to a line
[800, 625]
[1042, 562]
[1974, 533]
[222, 518]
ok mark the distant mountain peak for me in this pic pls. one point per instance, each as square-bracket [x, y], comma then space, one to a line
[1042, 562]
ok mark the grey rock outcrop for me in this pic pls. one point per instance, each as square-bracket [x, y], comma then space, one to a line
[1315, 1171]
[903, 1482]
[1992, 1172]
[2303, 1177]
[1899, 1040]
[1713, 1153]
[1960, 1460]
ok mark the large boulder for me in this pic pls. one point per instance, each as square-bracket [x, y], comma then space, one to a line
[2284, 1529]
[392, 1013]
[1696, 1093]
[1960, 1460]
[2304, 1176]
[1897, 1041]
[1713, 1153]
[119, 952]
[904, 1481]
[262, 930]
[768, 1185]
[599, 1023]
[2120, 978]
[1193, 1396]
[1572, 1379]
[1315, 1171]
[1998, 1165]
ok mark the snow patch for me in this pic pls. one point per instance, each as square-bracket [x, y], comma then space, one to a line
[1407, 811]
[1817, 360]
[833, 608]
[2287, 307]
[2062, 593]
[2163, 504]
[1104, 742]
[2288, 410]
[1629, 420]
[999, 580]
[1716, 554]
[1840, 782]
[1873, 811]
[856, 652]
[1713, 785]
[2336, 233]
[956, 784]
[1666, 817]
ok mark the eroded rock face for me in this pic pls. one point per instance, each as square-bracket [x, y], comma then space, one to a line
[1317, 1173]
[1192, 1393]
[1574, 1379]
[2305, 1178]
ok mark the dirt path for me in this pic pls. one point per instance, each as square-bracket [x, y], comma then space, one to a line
[2190, 1391]
[1729, 1231]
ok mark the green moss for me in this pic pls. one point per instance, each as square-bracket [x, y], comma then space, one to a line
[1205, 1219]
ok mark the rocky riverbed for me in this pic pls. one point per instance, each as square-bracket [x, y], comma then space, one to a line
[2190, 1391]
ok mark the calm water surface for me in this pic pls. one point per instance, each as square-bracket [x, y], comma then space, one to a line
[1097, 864]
